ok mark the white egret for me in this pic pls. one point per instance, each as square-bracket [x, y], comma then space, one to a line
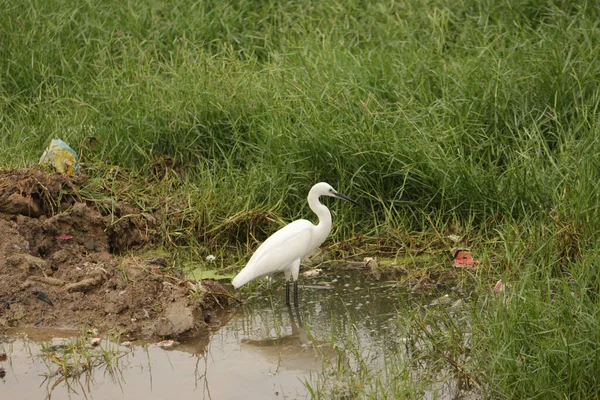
[283, 251]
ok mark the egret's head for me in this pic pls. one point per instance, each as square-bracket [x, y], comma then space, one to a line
[325, 189]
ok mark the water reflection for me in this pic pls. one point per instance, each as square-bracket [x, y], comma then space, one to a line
[296, 351]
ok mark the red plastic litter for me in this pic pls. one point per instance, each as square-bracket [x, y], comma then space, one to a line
[64, 237]
[463, 258]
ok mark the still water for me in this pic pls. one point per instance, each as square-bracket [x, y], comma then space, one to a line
[265, 351]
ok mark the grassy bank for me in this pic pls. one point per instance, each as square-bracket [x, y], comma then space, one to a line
[476, 118]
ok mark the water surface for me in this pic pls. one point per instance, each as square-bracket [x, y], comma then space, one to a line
[266, 350]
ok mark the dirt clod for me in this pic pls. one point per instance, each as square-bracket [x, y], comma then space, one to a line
[62, 248]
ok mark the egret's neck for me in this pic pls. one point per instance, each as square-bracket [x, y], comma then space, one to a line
[322, 212]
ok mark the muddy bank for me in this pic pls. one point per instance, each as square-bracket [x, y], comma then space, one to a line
[60, 265]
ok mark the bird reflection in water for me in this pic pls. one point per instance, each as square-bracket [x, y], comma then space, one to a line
[295, 351]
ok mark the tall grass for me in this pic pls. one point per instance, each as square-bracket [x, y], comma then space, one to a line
[472, 108]
[429, 112]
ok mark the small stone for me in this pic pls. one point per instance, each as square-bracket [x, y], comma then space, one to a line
[26, 262]
[312, 273]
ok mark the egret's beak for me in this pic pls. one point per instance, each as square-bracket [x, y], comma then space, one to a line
[344, 197]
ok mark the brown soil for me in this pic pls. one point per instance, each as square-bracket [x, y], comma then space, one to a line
[53, 242]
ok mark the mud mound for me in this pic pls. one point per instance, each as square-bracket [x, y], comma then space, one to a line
[58, 266]
[34, 192]
[49, 205]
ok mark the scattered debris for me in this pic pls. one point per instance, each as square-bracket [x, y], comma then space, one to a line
[60, 158]
[312, 273]
[371, 262]
[42, 297]
[464, 259]
[6, 304]
[318, 287]
[92, 332]
[498, 287]
[64, 237]
[454, 238]
[167, 344]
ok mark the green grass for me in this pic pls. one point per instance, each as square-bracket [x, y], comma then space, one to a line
[476, 118]
[73, 363]
[540, 337]
[474, 110]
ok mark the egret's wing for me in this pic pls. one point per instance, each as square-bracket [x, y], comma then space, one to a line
[277, 252]
[284, 246]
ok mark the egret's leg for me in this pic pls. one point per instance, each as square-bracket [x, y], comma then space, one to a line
[291, 272]
[287, 293]
[292, 319]
[299, 317]
[295, 294]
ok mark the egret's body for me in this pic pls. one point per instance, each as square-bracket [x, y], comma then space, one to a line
[283, 251]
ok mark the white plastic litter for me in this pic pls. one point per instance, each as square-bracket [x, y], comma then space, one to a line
[60, 157]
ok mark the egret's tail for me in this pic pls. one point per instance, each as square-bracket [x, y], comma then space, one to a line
[242, 278]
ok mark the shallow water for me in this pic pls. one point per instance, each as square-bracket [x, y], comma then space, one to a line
[266, 351]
